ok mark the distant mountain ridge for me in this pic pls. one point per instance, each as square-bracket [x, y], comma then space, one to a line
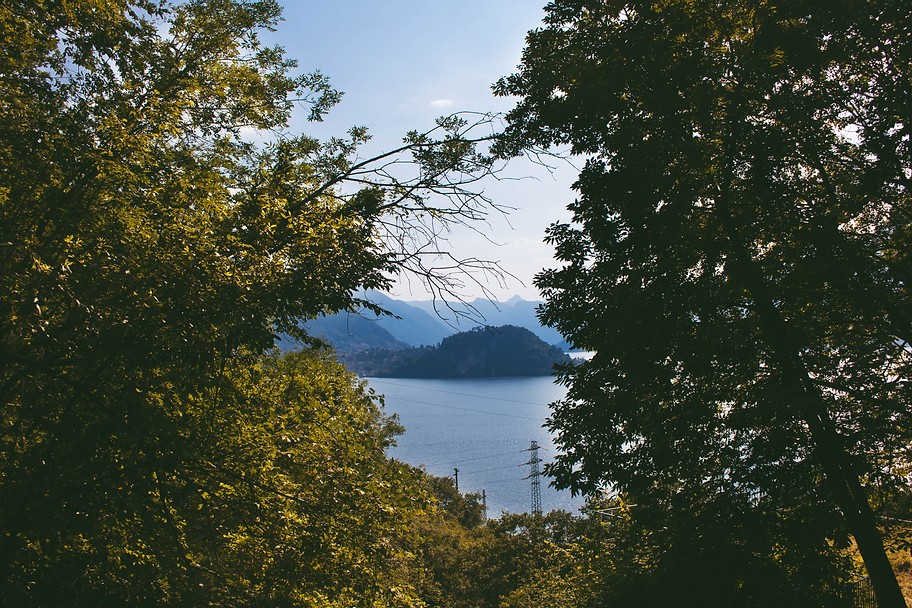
[515, 311]
[479, 353]
[411, 324]
[422, 322]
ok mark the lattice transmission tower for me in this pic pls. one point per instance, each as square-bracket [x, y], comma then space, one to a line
[535, 476]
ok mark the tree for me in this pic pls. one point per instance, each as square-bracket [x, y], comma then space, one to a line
[460, 558]
[553, 555]
[297, 503]
[277, 492]
[514, 560]
[738, 256]
[159, 227]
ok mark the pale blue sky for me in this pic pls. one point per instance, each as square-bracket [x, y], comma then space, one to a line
[402, 63]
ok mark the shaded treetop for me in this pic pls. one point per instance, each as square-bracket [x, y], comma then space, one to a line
[738, 253]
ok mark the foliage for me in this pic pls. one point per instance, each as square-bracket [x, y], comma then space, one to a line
[301, 493]
[738, 259]
[158, 228]
[274, 490]
[714, 554]
[467, 509]
[516, 560]
[556, 552]
[459, 554]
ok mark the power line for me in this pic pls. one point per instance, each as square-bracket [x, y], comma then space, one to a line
[512, 466]
[434, 390]
[466, 409]
[440, 464]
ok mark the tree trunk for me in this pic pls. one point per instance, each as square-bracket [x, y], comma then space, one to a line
[848, 493]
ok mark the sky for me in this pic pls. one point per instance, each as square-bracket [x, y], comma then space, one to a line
[401, 64]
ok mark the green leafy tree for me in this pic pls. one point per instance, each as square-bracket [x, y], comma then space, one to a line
[712, 551]
[460, 563]
[297, 503]
[738, 256]
[515, 560]
[553, 558]
[275, 490]
[159, 226]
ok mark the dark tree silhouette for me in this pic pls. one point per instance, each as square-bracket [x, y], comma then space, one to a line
[738, 255]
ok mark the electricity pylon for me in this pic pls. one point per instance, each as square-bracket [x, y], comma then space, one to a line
[535, 475]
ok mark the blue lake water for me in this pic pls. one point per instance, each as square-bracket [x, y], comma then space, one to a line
[483, 427]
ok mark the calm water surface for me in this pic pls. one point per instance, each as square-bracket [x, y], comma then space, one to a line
[483, 427]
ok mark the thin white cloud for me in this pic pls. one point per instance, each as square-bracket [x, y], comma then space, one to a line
[441, 103]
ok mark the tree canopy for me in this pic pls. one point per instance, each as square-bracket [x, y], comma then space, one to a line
[738, 258]
[159, 226]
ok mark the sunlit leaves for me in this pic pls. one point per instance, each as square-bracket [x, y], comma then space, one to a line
[158, 227]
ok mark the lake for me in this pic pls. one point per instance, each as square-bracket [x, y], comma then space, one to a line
[483, 427]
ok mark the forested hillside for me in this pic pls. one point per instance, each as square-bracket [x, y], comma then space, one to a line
[482, 352]
[346, 332]
[482, 311]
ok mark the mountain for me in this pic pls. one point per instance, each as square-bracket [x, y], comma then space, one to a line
[515, 311]
[481, 352]
[350, 332]
[362, 330]
[414, 325]
[421, 323]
